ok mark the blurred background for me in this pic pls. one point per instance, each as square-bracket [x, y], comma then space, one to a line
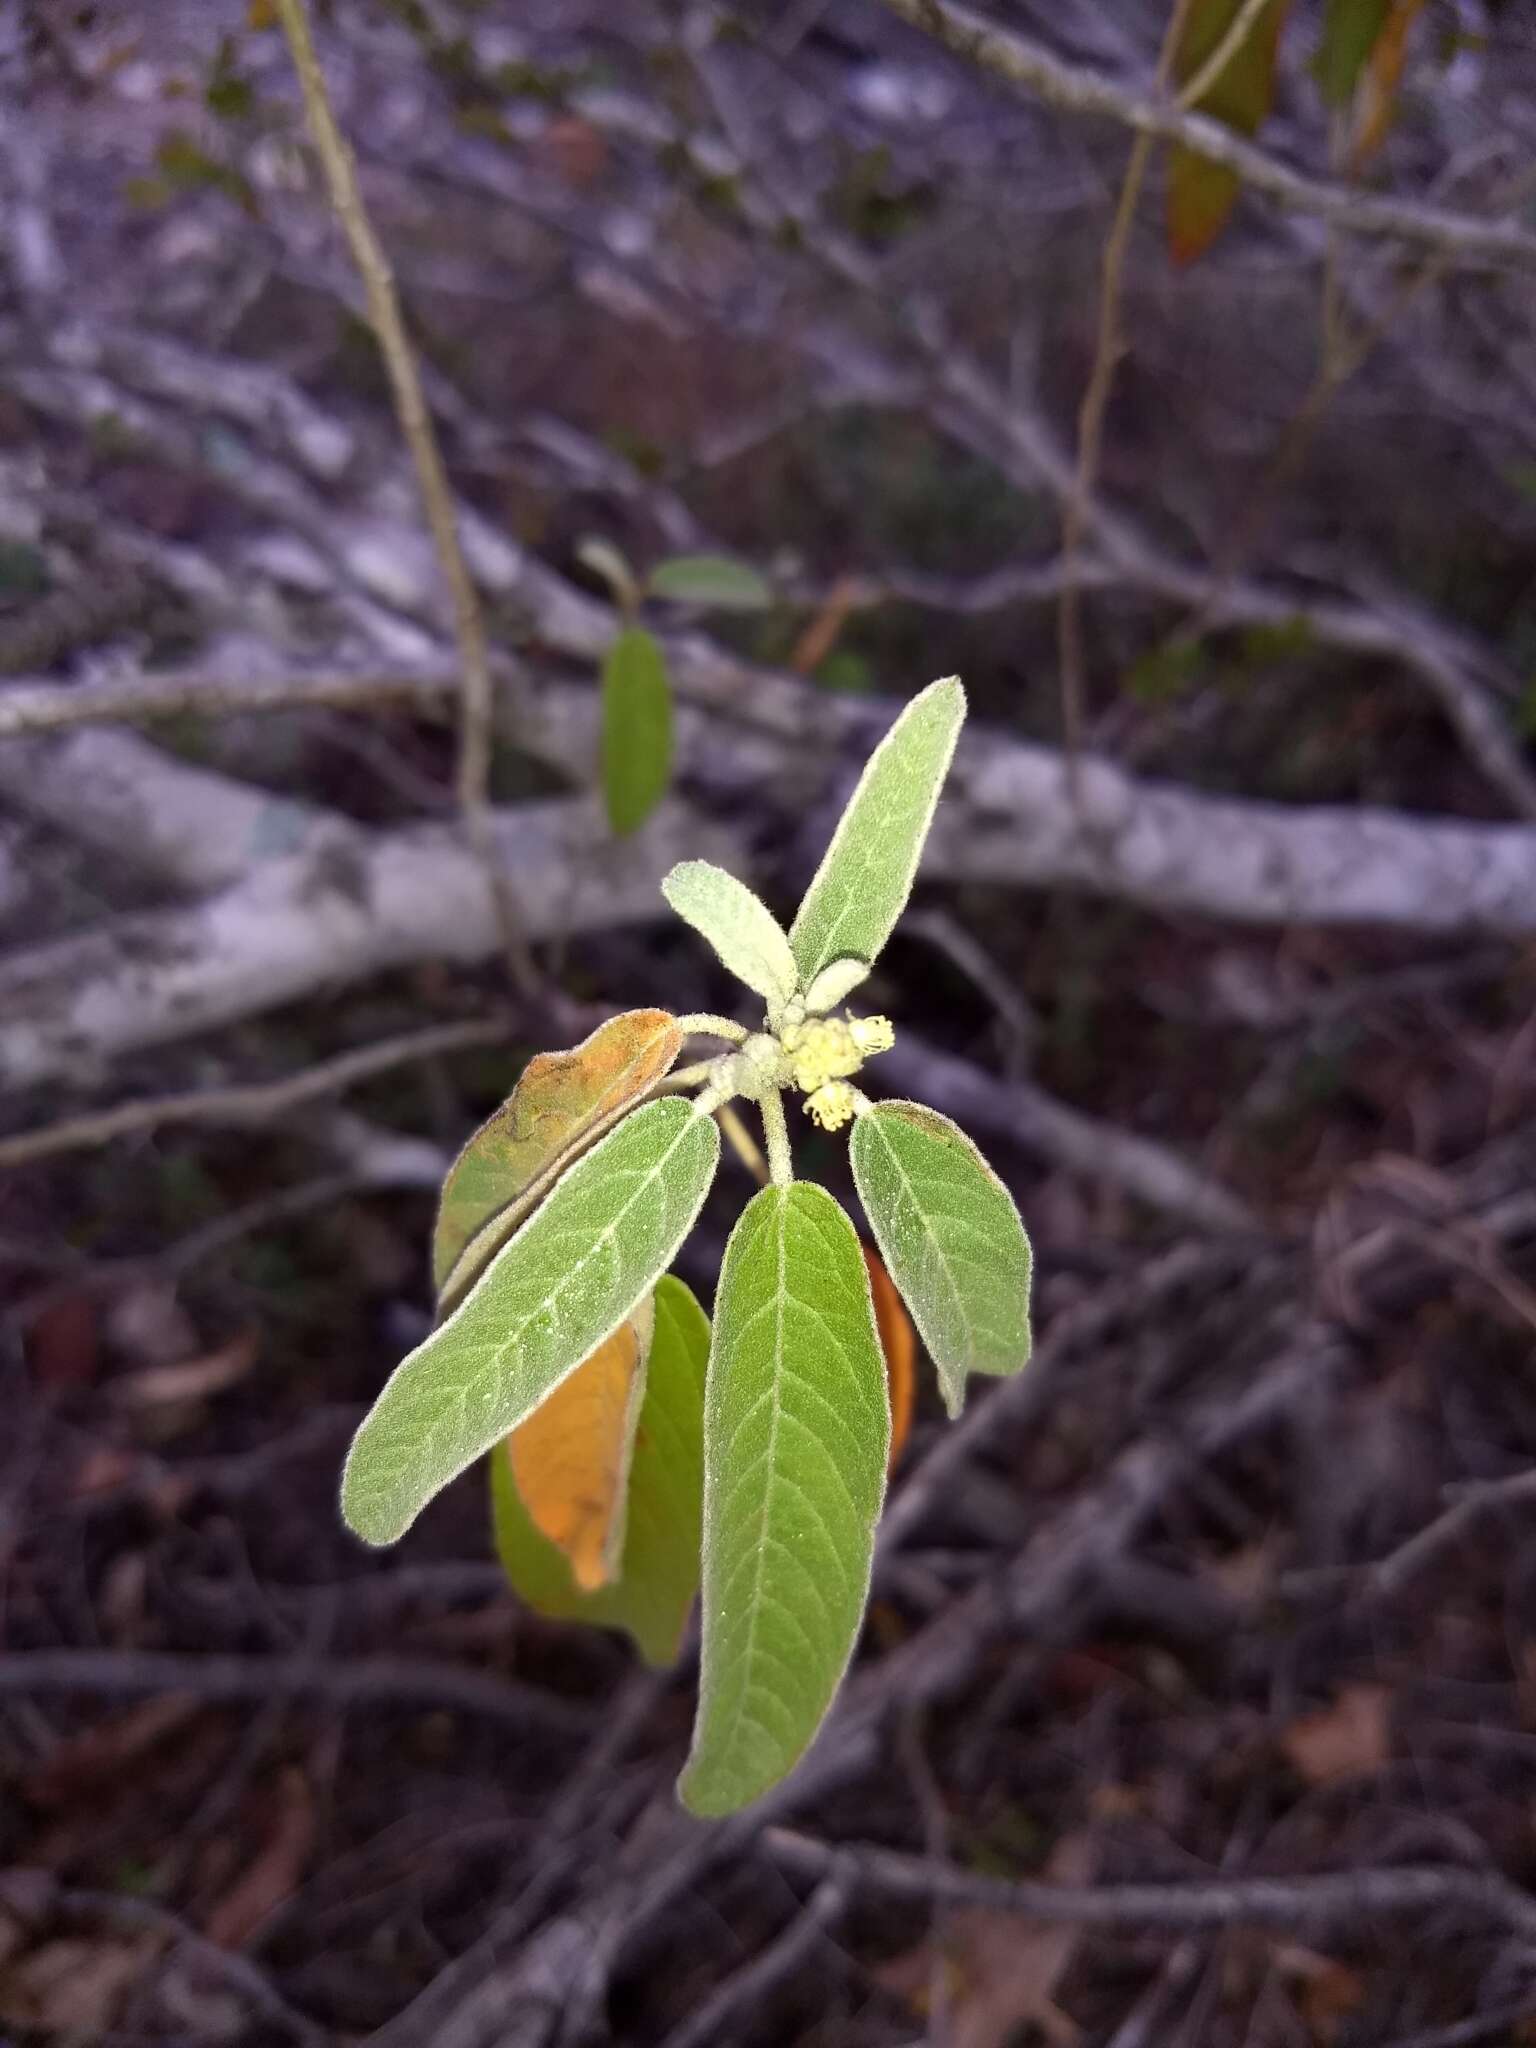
[1223, 951]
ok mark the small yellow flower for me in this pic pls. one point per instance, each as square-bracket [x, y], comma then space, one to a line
[872, 1034]
[823, 1049]
[831, 1105]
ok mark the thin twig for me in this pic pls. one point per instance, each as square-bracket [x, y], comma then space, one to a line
[250, 1102]
[1241, 26]
[1108, 348]
[352, 1682]
[477, 698]
[724, 2011]
[1335, 1899]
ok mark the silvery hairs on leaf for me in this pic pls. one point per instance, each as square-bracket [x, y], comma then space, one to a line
[951, 1237]
[742, 929]
[607, 1231]
[866, 874]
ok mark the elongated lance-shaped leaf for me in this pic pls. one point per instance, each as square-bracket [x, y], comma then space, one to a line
[719, 581]
[951, 1239]
[606, 1232]
[797, 1426]
[658, 1574]
[866, 875]
[562, 1101]
[740, 926]
[637, 729]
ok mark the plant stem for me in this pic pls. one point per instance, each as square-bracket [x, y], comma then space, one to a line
[476, 694]
[781, 1169]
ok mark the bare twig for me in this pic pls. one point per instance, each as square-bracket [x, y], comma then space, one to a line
[249, 1102]
[477, 700]
[357, 1682]
[1108, 347]
[746, 1992]
[1076, 89]
[1331, 1901]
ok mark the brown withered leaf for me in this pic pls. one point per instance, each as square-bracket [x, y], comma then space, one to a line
[1349, 1739]
[562, 1102]
[275, 1871]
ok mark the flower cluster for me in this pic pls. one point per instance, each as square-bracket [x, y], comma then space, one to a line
[823, 1052]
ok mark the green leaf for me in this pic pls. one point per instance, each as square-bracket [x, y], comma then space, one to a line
[1201, 194]
[563, 1100]
[951, 1239]
[637, 729]
[1350, 32]
[602, 1237]
[741, 928]
[659, 1573]
[717, 581]
[797, 1427]
[866, 874]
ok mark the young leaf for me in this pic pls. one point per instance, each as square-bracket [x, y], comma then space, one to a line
[714, 580]
[606, 1231]
[659, 1572]
[797, 1432]
[637, 729]
[835, 983]
[562, 1100]
[740, 927]
[948, 1231]
[1201, 194]
[866, 874]
[571, 1458]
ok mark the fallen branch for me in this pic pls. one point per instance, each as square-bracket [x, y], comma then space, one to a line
[1075, 89]
[1330, 1902]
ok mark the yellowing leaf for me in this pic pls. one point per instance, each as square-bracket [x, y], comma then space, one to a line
[658, 1574]
[563, 1100]
[898, 1341]
[1201, 194]
[571, 1457]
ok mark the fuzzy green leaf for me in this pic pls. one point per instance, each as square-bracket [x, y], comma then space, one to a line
[951, 1239]
[866, 875]
[740, 926]
[607, 1231]
[835, 983]
[797, 1427]
[637, 729]
[659, 1573]
[718, 581]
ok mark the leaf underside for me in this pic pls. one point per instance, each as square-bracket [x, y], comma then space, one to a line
[951, 1238]
[739, 925]
[658, 1573]
[605, 1233]
[561, 1101]
[796, 1440]
[866, 874]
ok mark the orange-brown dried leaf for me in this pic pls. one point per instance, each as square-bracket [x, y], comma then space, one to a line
[562, 1101]
[1202, 194]
[899, 1343]
[571, 1457]
[1381, 81]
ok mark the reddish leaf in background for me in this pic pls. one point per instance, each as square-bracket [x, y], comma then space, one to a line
[1202, 194]
[1376, 97]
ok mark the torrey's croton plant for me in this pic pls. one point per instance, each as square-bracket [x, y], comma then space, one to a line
[636, 1447]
